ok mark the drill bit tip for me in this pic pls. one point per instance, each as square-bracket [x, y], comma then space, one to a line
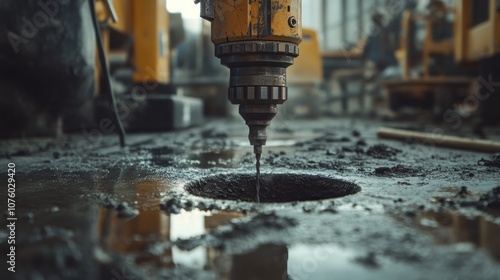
[257, 149]
[258, 152]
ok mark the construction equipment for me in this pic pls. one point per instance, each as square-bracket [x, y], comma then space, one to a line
[477, 33]
[430, 77]
[305, 78]
[477, 42]
[137, 42]
[471, 40]
[257, 41]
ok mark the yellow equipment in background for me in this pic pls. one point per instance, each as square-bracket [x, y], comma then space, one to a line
[305, 78]
[425, 88]
[256, 40]
[307, 68]
[135, 35]
[148, 23]
[430, 46]
[476, 41]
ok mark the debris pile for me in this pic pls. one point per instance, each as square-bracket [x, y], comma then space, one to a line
[382, 151]
[494, 161]
[396, 171]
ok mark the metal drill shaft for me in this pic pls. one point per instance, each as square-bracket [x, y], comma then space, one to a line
[258, 153]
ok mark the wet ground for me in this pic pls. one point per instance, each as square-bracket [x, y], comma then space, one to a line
[337, 203]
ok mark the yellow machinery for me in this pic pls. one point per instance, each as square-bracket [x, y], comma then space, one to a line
[138, 43]
[418, 88]
[476, 37]
[307, 68]
[257, 41]
[476, 41]
[305, 78]
[470, 42]
[147, 22]
[430, 45]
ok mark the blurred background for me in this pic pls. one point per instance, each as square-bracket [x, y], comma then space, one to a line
[387, 59]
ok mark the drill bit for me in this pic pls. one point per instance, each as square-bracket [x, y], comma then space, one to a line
[258, 152]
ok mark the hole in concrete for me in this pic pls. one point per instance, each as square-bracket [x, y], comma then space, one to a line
[273, 187]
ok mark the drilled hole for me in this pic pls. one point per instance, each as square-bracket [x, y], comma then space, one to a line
[273, 187]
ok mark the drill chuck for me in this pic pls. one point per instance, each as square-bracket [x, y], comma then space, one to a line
[257, 81]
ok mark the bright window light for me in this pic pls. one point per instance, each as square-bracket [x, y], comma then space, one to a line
[186, 7]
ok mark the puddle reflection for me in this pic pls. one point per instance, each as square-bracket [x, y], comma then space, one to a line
[152, 226]
[218, 158]
[272, 261]
[266, 262]
[453, 228]
[132, 236]
[305, 261]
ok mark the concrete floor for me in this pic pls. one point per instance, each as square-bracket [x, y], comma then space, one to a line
[88, 210]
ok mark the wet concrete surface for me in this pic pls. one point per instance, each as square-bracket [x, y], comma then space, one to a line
[88, 210]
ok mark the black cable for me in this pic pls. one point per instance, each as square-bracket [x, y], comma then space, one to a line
[105, 71]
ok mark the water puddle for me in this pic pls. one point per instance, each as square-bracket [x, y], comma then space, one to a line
[56, 201]
[134, 235]
[227, 158]
[455, 192]
[270, 261]
[304, 261]
[452, 228]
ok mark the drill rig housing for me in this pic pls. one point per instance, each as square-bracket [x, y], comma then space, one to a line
[257, 40]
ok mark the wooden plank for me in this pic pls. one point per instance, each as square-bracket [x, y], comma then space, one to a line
[440, 140]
